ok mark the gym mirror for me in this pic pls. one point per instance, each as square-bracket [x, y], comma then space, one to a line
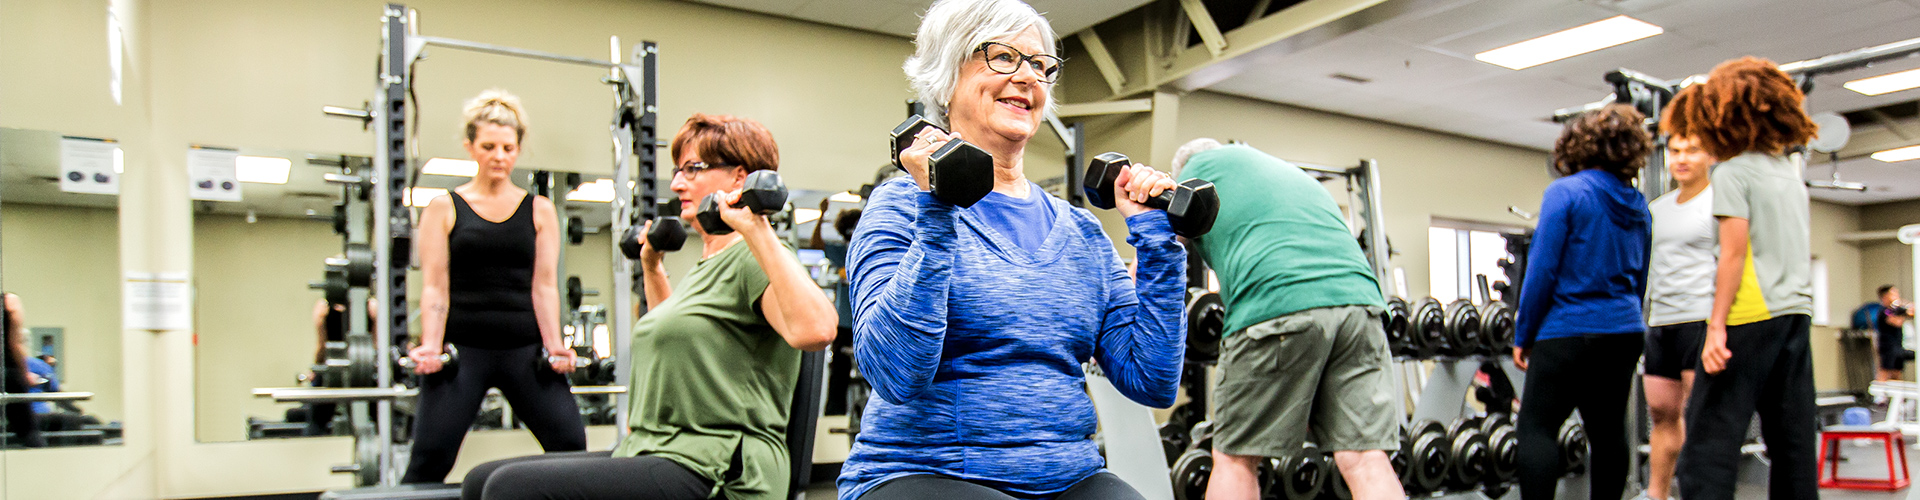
[61, 257]
[263, 290]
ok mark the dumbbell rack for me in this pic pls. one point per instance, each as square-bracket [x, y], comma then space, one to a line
[1442, 395]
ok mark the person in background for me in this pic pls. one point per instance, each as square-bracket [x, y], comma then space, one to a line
[1889, 339]
[1579, 331]
[21, 419]
[1679, 299]
[1756, 355]
[1305, 354]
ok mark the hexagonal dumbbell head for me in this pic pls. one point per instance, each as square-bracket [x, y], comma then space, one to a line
[958, 173]
[1191, 207]
[763, 192]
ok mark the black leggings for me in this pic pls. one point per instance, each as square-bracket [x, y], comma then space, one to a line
[1593, 374]
[584, 474]
[450, 399]
[1102, 486]
[21, 420]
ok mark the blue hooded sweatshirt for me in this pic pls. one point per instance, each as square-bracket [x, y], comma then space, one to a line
[1587, 271]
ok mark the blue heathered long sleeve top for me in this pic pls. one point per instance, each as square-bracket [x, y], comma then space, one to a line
[974, 346]
[1587, 270]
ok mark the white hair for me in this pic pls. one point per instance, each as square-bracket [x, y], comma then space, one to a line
[1191, 148]
[949, 32]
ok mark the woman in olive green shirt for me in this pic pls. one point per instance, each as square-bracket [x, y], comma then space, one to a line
[714, 360]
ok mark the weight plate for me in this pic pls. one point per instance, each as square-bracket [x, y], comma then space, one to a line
[359, 264]
[334, 285]
[575, 293]
[1426, 333]
[361, 361]
[1395, 322]
[1300, 476]
[1496, 326]
[1336, 488]
[1190, 474]
[1430, 457]
[1206, 317]
[1462, 328]
[1573, 447]
[1503, 450]
[1468, 448]
[576, 231]
[366, 446]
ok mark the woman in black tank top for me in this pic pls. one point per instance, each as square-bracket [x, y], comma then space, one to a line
[489, 252]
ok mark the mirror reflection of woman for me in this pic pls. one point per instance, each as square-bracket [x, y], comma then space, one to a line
[489, 251]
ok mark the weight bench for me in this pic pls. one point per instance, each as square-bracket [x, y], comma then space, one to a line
[802, 419]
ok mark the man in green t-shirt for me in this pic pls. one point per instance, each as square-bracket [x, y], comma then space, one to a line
[1305, 348]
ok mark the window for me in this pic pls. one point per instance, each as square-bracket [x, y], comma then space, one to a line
[1458, 256]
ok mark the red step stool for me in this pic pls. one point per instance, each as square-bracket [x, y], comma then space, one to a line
[1891, 439]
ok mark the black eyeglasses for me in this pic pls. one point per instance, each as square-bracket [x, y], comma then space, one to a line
[693, 169]
[1005, 60]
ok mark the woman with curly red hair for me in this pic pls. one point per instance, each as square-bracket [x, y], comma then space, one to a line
[1579, 329]
[1756, 356]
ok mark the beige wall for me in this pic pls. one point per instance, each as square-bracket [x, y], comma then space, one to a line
[1829, 221]
[60, 260]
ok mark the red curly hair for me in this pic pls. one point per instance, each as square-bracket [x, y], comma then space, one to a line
[1746, 104]
[727, 140]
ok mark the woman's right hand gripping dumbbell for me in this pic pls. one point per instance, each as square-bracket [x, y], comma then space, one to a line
[925, 143]
[426, 359]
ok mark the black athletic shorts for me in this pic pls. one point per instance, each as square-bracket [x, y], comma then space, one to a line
[1675, 348]
[1892, 349]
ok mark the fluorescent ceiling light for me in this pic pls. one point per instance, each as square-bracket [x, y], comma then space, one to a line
[805, 215]
[420, 197]
[1898, 154]
[1890, 82]
[1571, 42]
[119, 161]
[450, 167]
[599, 191]
[263, 169]
[844, 197]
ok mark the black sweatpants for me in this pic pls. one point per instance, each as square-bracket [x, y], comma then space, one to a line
[1593, 374]
[450, 399]
[1102, 486]
[1771, 372]
[584, 474]
[21, 420]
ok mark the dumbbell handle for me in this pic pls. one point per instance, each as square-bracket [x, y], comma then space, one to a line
[578, 362]
[446, 356]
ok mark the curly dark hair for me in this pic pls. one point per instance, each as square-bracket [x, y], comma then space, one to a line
[1610, 138]
[1746, 104]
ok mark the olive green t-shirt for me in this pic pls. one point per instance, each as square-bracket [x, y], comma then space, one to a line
[1279, 244]
[712, 381]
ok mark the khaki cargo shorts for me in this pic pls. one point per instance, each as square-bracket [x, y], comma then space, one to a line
[1320, 373]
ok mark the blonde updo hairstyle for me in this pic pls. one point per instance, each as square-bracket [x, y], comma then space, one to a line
[496, 107]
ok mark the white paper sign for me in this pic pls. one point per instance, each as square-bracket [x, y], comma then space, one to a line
[156, 301]
[213, 174]
[86, 166]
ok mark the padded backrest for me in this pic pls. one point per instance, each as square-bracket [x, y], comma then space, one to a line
[803, 417]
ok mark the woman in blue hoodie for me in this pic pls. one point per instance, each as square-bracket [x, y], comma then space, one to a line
[1580, 331]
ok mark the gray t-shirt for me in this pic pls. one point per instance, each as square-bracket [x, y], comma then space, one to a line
[1767, 191]
[1686, 243]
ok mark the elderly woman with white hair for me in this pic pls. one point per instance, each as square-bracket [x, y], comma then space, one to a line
[973, 323]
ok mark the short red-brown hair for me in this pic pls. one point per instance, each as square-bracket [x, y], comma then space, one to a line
[726, 140]
[1746, 104]
[1613, 139]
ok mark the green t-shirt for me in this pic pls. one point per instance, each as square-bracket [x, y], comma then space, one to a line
[712, 381]
[1279, 245]
[1768, 192]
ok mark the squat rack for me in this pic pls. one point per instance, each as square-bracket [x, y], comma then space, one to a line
[633, 133]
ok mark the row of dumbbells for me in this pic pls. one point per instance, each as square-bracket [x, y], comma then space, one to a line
[1474, 453]
[587, 369]
[1428, 329]
[1477, 453]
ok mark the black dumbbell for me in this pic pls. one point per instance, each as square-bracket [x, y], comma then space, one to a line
[1427, 456]
[763, 193]
[1467, 446]
[1206, 320]
[1462, 327]
[1496, 326]
[1426, 330]
[958, 173]
[1395, 323]
[449, 356]
[1573, 448]
[1190, 475]
[667, 235]
[1190, 207]
[1503, 448]
[1299, 476]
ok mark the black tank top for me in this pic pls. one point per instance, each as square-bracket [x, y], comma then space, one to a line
[490, 279]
